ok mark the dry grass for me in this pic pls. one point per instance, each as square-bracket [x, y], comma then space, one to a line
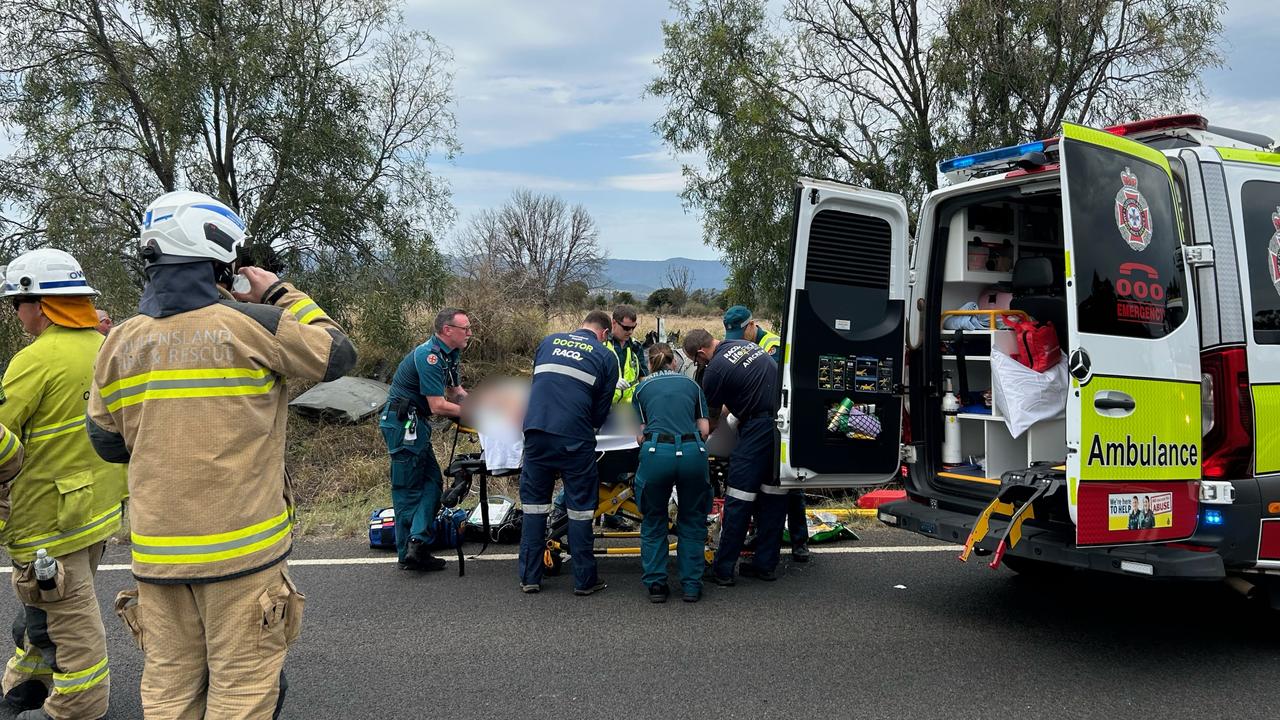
[342, 472]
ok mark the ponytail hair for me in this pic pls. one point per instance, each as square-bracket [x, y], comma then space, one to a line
[660, 356]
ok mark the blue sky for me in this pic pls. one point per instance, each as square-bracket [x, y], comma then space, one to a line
[550, 97]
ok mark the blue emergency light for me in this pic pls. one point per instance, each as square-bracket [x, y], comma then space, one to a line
[1212, 517]
[990, 156]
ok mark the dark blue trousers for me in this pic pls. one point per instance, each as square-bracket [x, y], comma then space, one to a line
[797, 519]
[545, 455]
[749, 490]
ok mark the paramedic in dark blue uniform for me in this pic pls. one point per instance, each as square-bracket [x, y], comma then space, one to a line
[742, 377]
[426, 383]
[574, 376]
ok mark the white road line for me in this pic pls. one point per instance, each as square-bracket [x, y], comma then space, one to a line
[324, 562]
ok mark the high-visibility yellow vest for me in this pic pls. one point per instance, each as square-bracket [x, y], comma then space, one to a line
[65, 498]
[628, 369]
[769, 341]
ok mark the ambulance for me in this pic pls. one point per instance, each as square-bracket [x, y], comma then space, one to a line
[1151, 448]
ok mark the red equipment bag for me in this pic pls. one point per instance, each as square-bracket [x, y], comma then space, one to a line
[1037, 343]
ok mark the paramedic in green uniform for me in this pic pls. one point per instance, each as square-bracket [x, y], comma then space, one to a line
[673, 417]
[426, 383]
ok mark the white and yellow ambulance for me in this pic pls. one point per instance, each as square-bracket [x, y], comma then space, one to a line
[1152, 448]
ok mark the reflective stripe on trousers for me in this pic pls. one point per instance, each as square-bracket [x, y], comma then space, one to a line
[67, 683]
[30, 663]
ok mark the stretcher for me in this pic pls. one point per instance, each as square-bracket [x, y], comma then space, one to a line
[616, 463]
[618, 456]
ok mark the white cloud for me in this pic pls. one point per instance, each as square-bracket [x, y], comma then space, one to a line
[468, 180]
[1261, 116]
[668, 182]
[529, 72]
[647, 235]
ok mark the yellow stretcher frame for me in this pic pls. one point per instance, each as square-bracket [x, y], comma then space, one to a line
[616, 499]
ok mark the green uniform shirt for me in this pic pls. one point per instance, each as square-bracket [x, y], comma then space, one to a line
[670, 403]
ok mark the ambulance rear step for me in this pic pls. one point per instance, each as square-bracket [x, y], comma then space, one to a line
[1056, 544]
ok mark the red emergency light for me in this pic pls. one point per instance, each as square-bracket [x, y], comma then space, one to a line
[1168, 122]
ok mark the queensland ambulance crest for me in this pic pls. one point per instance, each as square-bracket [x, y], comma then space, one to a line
[1133, 216]
[1273, 251]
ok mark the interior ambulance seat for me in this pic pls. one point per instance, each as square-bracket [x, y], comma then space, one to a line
[1038, 293]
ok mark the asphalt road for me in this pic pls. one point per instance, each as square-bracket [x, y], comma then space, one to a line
[874, 633]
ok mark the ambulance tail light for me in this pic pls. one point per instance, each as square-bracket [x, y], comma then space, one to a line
[1228, 410]
[1160, 124]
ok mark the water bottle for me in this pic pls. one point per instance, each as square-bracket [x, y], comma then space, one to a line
[46, 570]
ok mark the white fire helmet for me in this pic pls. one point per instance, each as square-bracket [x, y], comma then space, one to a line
[45, 272]
[186, 224]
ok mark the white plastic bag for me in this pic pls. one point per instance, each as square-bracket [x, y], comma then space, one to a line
[1023, 396]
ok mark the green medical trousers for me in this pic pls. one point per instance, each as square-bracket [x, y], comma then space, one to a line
[682, 465]
[415, 481]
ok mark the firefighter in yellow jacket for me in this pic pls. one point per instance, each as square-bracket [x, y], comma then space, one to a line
[191, 393]
[66, 500]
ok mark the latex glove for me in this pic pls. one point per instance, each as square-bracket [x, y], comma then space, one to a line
[623, 384]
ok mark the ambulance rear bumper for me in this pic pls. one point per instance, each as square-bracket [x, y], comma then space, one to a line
[1158, 561]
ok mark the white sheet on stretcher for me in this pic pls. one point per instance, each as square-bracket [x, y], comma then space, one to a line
[504, 452]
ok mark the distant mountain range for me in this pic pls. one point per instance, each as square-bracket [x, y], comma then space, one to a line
[644, 276]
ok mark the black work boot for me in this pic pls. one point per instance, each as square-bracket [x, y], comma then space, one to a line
[36, 714]
[800, 553]
[659, 592]
[27, 695]
[418, 557]
[751, 570]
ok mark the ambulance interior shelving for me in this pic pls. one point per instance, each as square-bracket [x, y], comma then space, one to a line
[1002, 253]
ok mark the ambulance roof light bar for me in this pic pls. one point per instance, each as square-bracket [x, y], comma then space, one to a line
[1157, 125]
[969, 165]
[991, 157]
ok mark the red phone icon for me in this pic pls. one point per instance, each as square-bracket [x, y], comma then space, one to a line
[1148, 288]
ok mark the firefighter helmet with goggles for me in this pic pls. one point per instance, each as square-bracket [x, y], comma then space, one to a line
[184, 225]
[45, 272]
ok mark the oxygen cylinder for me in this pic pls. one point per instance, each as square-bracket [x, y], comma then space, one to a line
[950, 423]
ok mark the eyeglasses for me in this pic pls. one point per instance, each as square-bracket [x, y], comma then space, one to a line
[464, 328]
[19, 301]
[628, 328]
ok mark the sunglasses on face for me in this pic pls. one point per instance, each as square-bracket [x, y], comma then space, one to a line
[627, 328]
[20, 301]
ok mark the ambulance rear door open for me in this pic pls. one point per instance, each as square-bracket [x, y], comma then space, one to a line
[845, 325]
[1133, 409]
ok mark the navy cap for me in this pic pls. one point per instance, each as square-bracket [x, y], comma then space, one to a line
[735, 321]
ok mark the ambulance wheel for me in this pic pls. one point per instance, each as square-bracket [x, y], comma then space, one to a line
[1035, 569]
